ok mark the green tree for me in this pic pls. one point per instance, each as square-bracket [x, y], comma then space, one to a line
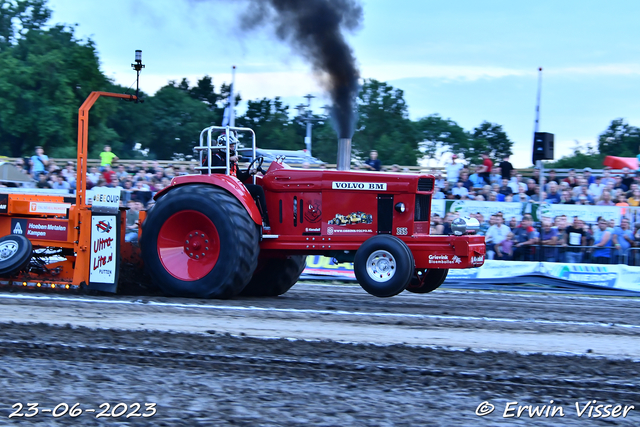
[440, 134]
[269, 119]
[176, 121]
[620, 139]
[383, 124]
[45, 75]
[582, 157]
[486, 138]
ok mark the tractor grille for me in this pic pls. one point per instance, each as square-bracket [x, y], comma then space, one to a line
[425, 184]
[423, 206]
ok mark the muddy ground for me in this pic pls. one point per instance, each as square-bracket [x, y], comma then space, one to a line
[307, 358]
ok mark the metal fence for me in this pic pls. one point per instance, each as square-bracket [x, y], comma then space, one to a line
[573, 254]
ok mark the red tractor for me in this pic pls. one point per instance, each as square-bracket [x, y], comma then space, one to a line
[205, 236]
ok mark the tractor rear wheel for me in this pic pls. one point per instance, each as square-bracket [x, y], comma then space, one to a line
[199, 241]
[15, 253]
[384, 265]
[425, 280]
[275, 276]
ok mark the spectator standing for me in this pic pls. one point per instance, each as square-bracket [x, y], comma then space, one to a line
[59, 183]
[531, 187]
[495, 235]
[622, 239]
[453, 170]
[627, 177]
[133, 215]
[107, 157]
[39, 162]
[597, 187]
[549, 238]
[549, 178]
[602, 242]
[109, 176]
[607, 178]
[504, 251]
[505, 189]
[553, 196]
[588, 176]
[484, 170]
[373, 163]
[505, 168]
[571, 179]
[522, 196]
[495, 177]
[605, 200]
[524, 236]
[634, 200]
[460, 191]
[574, 235]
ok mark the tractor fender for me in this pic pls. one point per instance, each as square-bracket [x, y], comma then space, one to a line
[229, 183]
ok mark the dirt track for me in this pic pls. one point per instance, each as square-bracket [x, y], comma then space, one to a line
[179, 354]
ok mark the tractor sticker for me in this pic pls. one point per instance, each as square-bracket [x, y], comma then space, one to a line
[104, 251]
[352, 218]
[373, 186]
[4, 202]
[40, 229]
[103, 226]
[477, 260]
[105, 200]
[51, 208]
[313, 213]
[444, 259]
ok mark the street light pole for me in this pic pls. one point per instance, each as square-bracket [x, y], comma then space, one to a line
[307, 116]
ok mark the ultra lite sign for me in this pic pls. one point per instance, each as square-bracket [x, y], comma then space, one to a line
[375, 186]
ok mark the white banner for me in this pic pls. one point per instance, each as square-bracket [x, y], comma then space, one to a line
[438, 207]
[104, 242]
[467, 207]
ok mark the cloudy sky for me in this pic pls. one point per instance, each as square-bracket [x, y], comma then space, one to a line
[467, 60]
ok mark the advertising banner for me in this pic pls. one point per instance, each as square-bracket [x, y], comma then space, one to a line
[104, 252]
[587, 213]
[41, 229]
[591, 275]
[467, 207]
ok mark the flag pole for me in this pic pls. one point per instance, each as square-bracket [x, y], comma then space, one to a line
[232, 114]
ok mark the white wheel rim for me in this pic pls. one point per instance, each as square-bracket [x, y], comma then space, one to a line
[381, 266]
[8, 249]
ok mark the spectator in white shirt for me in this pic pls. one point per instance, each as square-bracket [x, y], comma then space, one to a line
[453, 170]
[495, 235]
[460, 190]
[596, 188]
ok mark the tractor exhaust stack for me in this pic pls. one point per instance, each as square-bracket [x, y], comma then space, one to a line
[344, 154]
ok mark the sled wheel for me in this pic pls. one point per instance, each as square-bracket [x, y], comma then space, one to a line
[425, 281]
[15, 253]
[275, 276]
[384, 266]
[199, 241]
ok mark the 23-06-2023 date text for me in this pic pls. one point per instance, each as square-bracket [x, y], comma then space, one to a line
[105, 410]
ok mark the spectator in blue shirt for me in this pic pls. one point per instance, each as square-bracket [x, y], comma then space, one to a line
[622, 238]
[373, 163]
[602, 242]
[39, 162]
[553, 196]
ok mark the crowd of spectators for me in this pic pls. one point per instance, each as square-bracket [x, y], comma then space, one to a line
[558, 239]
[505, 184]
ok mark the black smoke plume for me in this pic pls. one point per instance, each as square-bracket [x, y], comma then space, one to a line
[314, 28]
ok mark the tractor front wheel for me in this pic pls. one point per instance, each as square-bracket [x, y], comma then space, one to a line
[384, 266]
[275, 276]
[199, 241]
[15, 253]
[425, 280]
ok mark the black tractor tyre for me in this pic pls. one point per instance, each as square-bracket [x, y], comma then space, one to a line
[275, 276]
[429, 281]
[238, 245]
[384, 265]
[15, 253]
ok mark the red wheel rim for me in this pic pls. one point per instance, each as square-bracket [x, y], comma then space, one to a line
[188, 245]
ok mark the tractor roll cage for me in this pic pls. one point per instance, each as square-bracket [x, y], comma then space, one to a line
[208, 148]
